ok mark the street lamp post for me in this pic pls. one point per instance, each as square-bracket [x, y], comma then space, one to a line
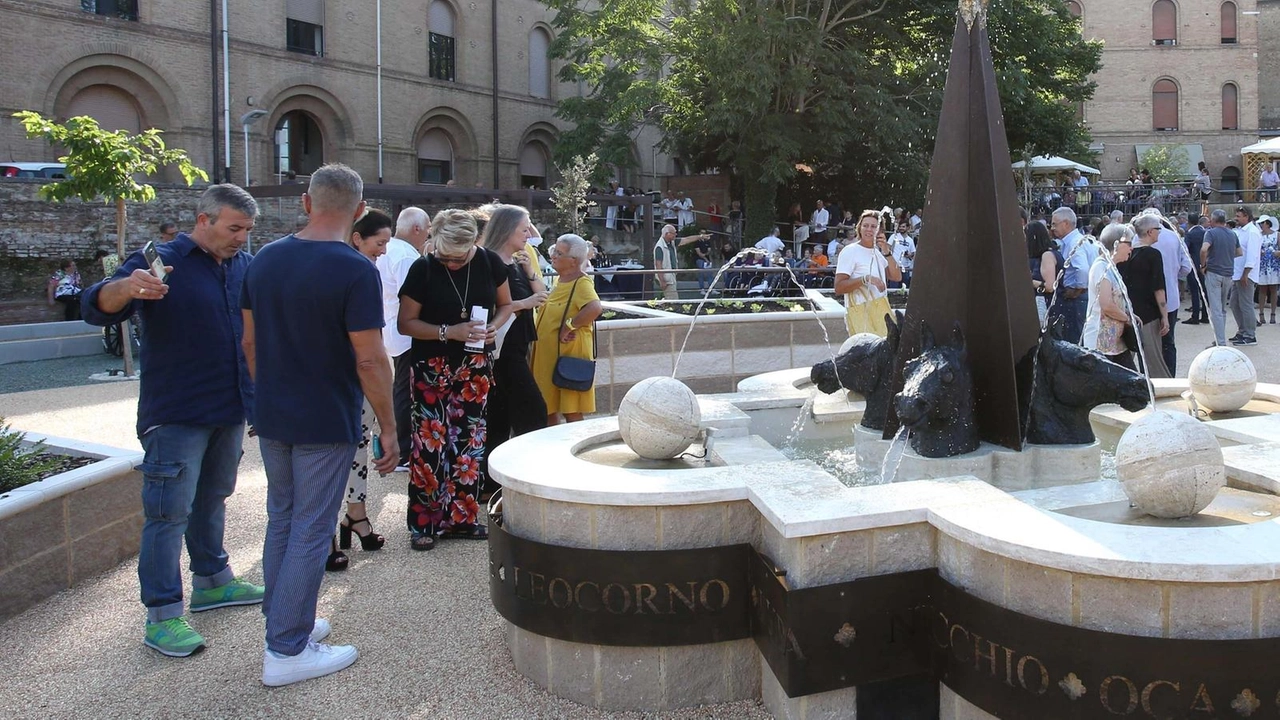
[246, 120]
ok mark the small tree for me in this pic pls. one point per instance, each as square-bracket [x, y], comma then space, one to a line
[1166, 163]
[570, 194]
[104, 164]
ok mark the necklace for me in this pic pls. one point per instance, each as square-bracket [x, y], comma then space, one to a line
[462, 296]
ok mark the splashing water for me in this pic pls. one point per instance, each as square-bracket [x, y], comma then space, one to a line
[890, 458]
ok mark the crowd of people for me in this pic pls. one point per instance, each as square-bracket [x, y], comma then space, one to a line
[431, 341]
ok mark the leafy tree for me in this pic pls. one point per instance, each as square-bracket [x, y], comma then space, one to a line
[570, 194]
[848, 88]
[105, 164]
[1166, 163]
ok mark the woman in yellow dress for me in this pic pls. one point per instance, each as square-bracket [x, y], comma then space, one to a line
[571, 330]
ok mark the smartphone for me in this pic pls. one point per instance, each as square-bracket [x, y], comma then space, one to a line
[153, 259]
[377, 448]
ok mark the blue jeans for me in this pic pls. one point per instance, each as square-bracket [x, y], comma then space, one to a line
[1072, 313]
[188, 471]
[705, 275]
[305, 486]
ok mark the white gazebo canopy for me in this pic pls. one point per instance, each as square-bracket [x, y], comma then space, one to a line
[1044, 164]
[1266, 147]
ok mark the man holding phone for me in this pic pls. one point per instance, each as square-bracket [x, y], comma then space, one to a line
[193, 402]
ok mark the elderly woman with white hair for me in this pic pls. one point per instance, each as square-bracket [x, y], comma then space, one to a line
[451, 376]
[566, 328]
[1108, 327]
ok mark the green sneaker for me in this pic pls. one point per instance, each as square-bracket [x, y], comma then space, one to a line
[236, 592]
[173, 637]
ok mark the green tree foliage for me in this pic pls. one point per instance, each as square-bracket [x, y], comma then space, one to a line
[570, 194]
[848, 88]
[1166, 163]
[18, 465]
[106, 165]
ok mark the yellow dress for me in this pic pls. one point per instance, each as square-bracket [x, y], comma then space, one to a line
[549, 324]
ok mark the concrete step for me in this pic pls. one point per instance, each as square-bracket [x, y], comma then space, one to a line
[46, 341]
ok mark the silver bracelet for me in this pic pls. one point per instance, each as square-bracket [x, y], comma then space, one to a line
[443, 329]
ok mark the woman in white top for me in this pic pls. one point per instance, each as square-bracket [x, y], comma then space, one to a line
[862, 274]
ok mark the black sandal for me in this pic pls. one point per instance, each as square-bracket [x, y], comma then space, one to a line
[422, 541]
[467, 532]
[337, 560]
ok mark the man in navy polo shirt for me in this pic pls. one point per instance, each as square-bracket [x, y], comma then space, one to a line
[313, 338]
[195, 396]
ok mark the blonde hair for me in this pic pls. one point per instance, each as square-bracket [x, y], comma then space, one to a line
[454, 230]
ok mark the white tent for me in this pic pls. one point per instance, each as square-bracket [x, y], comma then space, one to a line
[1042, 164]
[1266, 147]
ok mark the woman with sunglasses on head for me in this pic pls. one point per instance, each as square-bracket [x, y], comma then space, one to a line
[566, 328]
[440, 304]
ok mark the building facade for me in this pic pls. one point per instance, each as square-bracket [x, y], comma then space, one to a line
[1180, 72]
[467, 92]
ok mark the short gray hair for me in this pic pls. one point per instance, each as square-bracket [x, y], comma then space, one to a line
[1113, 234]
[664, 230]
[1143, 223]
[578, 249]
[1218, 217]
[1065, 213]
[335, 188]
[410, 218]
[1117, 215]
[226, 195]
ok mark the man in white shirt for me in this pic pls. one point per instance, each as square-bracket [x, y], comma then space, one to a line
[1269, 181]
[904, 253]
[412, 228]
[771, 243]
[1177, 265]
[1244, 278]
[664, 258]
[834, 247]
[684, 209]
[915, 222]
[821, 216]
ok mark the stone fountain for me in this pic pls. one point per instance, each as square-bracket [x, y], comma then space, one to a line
[999, 575]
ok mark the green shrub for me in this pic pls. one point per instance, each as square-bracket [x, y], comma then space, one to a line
[20, 466]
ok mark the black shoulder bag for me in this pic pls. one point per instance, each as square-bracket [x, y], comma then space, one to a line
[573, 373]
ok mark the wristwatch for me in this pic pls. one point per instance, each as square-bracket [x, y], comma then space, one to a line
[443, 329]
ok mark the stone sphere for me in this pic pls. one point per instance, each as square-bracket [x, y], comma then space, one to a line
[659, 418]
[1170, 464]
[1222, 379]
[867, 339]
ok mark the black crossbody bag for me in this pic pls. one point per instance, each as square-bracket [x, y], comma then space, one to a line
[573, 373]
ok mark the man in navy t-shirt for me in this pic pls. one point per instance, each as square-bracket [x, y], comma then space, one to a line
[312, 336]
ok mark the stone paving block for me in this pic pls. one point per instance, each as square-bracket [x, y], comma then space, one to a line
[107, 547]
[568, 524]
[903, 548]
[1211, 612]
[1128, 607]
[630, 677]
[572, 672]
[1038, 591]
[626, 528]
[32, 531]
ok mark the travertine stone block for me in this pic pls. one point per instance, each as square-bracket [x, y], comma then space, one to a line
[522, 514]
[1038, 591]
[572, 672]
[529, 653]
[568, 524]
[979, 573]
[629, 677]
[105, 548]
[820, 559]
[954, 707]
[691, 526]
[1268, 609]
[1211, 612]
[1129, 607]
[626, 528]
[693, 675]
[741, 523]
[31, 531]
[24, 585]
[102, 503]
[903, 549]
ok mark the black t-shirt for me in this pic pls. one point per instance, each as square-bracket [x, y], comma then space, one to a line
[1143, 275]
[443, 292]
[702, 250]
[522, 331]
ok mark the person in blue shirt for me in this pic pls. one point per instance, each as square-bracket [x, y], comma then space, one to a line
[194, 399]
[312, 308]
[1071, 295]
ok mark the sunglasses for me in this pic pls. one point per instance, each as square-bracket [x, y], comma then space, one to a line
[447, 260]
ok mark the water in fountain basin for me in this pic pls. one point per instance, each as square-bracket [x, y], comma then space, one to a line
[893, 456]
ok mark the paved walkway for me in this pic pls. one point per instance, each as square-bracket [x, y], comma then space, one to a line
[431, 644]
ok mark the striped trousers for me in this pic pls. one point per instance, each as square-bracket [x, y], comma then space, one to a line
[305, 485]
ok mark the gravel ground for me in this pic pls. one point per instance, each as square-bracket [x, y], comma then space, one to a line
[431, 644]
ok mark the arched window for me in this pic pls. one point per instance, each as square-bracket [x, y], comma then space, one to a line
[1075, 8]
[1228, 23]
[1230, 107]
[299, 144]
[1164, 105]
[1230, 184]
[435, 158]
[533, 167]
[113, 108]
[539, 64]
[1164, 23]
[440, 41]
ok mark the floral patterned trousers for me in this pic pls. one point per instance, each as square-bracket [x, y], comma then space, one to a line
[449, 432]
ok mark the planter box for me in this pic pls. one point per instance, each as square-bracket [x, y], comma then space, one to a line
[57, 533]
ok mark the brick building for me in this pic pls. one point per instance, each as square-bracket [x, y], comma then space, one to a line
[464, 98]
[1175, 71]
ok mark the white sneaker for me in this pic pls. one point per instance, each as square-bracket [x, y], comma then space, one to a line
[320, 630]
[317, 660]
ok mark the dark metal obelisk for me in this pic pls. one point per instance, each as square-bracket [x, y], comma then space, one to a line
[972, 264]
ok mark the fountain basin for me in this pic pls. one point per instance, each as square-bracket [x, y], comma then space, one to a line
[1069, 555]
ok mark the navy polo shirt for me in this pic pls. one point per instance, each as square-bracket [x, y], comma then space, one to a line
[306, 296]
[194, 371]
